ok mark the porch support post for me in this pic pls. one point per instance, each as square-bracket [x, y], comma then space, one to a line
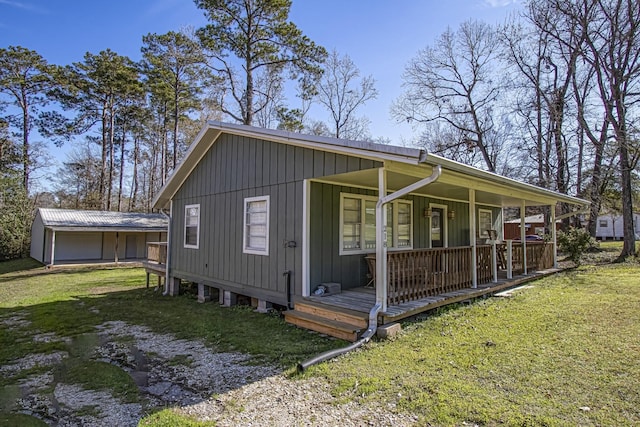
[115, 249]
[381, 241]
[381, 226]
[509, 259]
[306, 230]
[523, 238]
[167, 268]
[554, 235]
[494, 261]
[472, 238]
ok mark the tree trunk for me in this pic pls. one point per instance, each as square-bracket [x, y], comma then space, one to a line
[134, 184]
[629, 245]
[121, 177]
[176, 115]
[105, 150]
[25, 142]
[111, 155]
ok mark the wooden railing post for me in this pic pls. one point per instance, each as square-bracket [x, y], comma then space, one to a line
[494, 261]
[509, 259]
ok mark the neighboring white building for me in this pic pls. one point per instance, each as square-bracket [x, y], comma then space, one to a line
[609, 227]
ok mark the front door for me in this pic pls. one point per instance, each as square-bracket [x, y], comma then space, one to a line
[437, 231]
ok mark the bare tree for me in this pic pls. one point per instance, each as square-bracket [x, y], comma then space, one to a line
[342, 92]
[611, 47]
[451, 82]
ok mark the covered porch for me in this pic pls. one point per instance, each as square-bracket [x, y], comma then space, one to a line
[455, 249]
[422, 280]
[361, 299]
[416, 274]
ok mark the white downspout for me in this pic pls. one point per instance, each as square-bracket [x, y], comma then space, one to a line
[381, 241]
[381, 225]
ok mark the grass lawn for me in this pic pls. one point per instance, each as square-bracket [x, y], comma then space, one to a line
[563, 352]
[73, 301]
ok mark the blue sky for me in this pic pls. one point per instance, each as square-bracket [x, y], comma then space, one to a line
[380, 36]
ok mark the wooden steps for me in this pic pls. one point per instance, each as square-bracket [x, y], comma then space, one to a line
[334, 321]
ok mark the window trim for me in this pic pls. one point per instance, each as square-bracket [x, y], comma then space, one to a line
[484, 234]
[394, 223]
[186, 209]
[245, 248]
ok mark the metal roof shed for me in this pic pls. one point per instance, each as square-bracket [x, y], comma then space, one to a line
[71, 236]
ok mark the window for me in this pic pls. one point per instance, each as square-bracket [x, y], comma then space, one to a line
[485, 222]
[192, 226]
[256, 225]
[358, 224]
[604, 223]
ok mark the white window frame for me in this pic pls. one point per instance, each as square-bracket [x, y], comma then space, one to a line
[245, 248]
[197, 226]
[393, 220]
[483, 233]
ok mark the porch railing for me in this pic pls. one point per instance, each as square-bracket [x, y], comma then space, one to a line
[420, 273]
[539, 256]
[157, 252]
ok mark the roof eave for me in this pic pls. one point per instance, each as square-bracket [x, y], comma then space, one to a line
[499, 179]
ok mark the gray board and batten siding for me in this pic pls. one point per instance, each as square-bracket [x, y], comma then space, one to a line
[234, 168]
[327, 265]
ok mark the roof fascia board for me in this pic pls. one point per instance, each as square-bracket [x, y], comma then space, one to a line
[107, 229]
[376, 151]
[194, 154]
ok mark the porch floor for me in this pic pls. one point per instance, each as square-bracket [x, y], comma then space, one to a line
[363, 298]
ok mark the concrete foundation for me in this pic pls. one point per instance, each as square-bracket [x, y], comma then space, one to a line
[389, 330]
[204, 293]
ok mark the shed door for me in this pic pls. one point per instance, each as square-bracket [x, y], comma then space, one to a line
[78, 246]
[132, 247]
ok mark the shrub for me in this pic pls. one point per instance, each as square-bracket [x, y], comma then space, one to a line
[575, 242]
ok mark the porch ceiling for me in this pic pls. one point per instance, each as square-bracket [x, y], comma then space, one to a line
[450, 186]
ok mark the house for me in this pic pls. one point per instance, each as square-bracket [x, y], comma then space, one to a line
[273, 215]
[610, 226]
[66, 236]
[534, 226]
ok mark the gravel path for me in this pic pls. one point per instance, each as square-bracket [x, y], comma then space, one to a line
[181, 374]
[278, 401]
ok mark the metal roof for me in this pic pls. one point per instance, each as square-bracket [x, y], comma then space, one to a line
[61, 219]
[510, 191]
